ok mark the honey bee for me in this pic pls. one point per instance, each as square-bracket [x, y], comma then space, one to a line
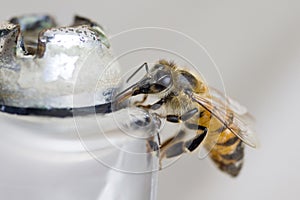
[220, 124]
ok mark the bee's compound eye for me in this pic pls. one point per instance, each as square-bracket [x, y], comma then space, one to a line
[163, 78]
[165, 81]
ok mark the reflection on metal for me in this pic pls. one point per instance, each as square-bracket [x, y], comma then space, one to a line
[43, 65]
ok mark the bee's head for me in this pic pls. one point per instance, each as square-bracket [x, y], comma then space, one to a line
[157, 80]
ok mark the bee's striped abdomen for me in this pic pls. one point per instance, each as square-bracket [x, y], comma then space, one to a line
[228, 153]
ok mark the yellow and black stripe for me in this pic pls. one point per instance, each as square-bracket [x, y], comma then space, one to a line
[228, 152]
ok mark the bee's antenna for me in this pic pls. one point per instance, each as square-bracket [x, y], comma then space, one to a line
[147, 70]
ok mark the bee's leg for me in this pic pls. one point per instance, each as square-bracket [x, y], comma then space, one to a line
[152, 145]
[152, 148]
[184, 117]
[192, 144]
[176, 146]
[168, 143]
[139, 103]
[154, 106]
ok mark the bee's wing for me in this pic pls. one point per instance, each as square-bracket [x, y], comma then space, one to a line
[218, 105]
[227, 101]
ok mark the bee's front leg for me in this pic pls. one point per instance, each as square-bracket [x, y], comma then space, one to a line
[153, 106]
[139, 103]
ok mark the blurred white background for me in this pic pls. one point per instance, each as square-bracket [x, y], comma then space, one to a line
[256, 45]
